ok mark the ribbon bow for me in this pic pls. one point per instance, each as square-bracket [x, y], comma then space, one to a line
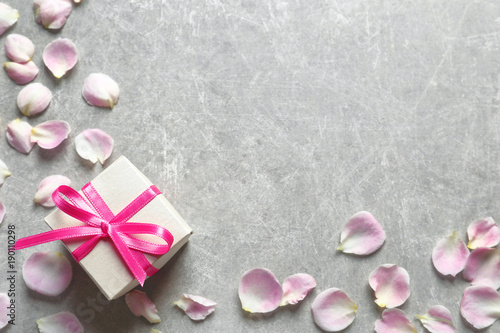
[102, 223]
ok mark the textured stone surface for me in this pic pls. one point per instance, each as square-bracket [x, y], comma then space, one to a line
[267, 124]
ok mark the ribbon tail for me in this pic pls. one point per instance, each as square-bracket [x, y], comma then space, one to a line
[53, 235]
[80, 252]
[135, 267]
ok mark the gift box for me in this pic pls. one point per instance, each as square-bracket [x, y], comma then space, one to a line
[118, 186]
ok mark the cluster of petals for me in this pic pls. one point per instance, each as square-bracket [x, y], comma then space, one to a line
[483, 233]
[4, 172]
[196, 307]
[20, 50]
[60, 56]
[100, 90]
[480, 306]
[46, 187]
[140, 305]
[62, 322]
[48, 135]
[394, 321]
[52, 14]
[8, 17]
[437, 320]
[48, 273]
[391, 285]
[4, 309]
[450, 255]
[333, 310]
[362, 235]
[94, 145]
[33, 99]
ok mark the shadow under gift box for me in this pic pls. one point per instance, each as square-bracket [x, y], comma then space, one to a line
[119, 185]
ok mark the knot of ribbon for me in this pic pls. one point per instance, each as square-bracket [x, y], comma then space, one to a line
[102, 223]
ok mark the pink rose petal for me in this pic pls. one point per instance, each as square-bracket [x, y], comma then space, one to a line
[480, 306]
[196, 307]
[437, 320]
[48, 273]
[19, 48]
[333, 310]
[2, 212]
[450, 255]
[362, 235]
[483, 233]
[391, 285]
[50, 134]
[21, 73]
[47, 186]
[52, 14]
[19, 136]
[62, 322]
[94, 145]
[296, 287]
[33, 99]
[4, 310]
[100, 90]
[483, 267]
[4, 172]
[140, 305]
[60, 56]
[8, 16]
[394, 321]
[259, 291]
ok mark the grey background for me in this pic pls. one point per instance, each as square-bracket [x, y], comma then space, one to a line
[267, 124]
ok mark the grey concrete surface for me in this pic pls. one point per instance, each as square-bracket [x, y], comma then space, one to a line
[267, 124]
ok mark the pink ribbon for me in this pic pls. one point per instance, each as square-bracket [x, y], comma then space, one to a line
[101, 223]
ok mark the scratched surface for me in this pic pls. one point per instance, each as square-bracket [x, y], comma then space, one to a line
[267, 124]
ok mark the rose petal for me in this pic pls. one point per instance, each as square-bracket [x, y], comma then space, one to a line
[4, 172]
[100, 90]
[4, 310]
[52, 14]
[62, 322]
[362, 235]
[48, 273]
[140, 305]
[483, 233]
[391, 285]
[333, 310]
[60, 56]
[437, 320]
[94, 145]
[152, 330]
[196, 307]
[33, 99]
[21, 73]
[394, 321]
[19, 48]
[47, 186]
[50, 134]
[480, 306]
[483, 267]
[259, 291]
[2, 212]
[19, 136]
[8, 16]
[296, 287]
[450, 255]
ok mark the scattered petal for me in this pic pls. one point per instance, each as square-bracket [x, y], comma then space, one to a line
[196, 307]
[94, 145]
[333, 310]
[21, 73]
[46, 187]
[483, 233]
[19, 48]
[437, 320]
[296, 287]
[140, 305]
[259, 291]
[4, 172]
[2, 213]
[100, 90]
[8, 16]
[48, 273]
[19, 136]
[60, 56]
[391, 285]
[362, 235]
[480, 306]
[50, 134]
[33, 99]
[450, 255]
[62, 322]
[483, 267]
[4, 309]
[394, 321]
[52, 14]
